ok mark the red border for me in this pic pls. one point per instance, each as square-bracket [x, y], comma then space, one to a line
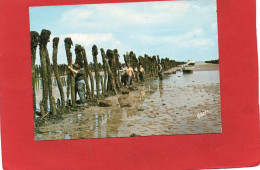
[237, 146]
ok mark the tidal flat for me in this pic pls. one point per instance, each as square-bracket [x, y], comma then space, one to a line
[180, 104]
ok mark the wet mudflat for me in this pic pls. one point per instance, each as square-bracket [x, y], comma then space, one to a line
[180, 104]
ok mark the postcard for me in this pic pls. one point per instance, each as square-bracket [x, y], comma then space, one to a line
[125, 70]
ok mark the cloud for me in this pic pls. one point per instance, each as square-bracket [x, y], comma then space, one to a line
[200, 42]
[194, 38]
[186, 27]
[117, 15]
[87, 39]
[75, 14]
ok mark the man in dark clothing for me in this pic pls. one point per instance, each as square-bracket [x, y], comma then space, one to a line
[79, 81]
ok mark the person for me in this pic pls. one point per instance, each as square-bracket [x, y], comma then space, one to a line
[79, 81]
[160, 72]
[130, 73]
[123, 75]
[141, 75]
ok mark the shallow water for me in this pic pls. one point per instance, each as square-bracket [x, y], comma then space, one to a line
[180, 104]
[55, 89]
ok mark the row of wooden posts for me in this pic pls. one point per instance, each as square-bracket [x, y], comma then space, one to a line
[110, 83]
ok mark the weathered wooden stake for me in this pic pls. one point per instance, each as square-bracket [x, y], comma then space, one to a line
[88, 71]
[56, 71]
[110, 73]
[79, 58]
[102, 85]
[49, 79]
[53, 105]
[117, 66]
[44, 39]
[105, 70]
[95, 53]
[58, 104]
[34, 44]
[68, 44]
[42, 108]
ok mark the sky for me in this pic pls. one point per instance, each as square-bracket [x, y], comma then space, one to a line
[180, 30]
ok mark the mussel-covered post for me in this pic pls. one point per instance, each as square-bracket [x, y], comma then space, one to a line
[111, 79]
[68, 44]
[105, 71]
[56, 71]
[146, 64]
[136, 67]
[112, 66]
[117, 56]
[95, 53]
[34, 44]
[79, 59]
[44, 39]
[87, 69]
[49, 70]
[127, 59]
[155, 65]
[115, 59]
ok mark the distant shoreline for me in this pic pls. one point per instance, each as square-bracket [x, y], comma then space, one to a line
[198, 67]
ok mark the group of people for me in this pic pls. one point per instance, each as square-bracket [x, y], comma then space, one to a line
[127, 75]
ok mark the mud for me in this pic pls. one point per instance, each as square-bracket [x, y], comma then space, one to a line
[180, 104]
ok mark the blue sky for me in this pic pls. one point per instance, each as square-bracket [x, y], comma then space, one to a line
[179, 30]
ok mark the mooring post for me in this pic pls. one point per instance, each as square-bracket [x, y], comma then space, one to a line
[34, 43]
[117, 56]
[116, 68]
[68, 44]
[111, 79]
[102, 85]
[87, 69]
[105, 70]
[42, 108]
[44, 39]
[79, 58]
[94, 54]
[56, 71]
[50, 82]
[53, 105]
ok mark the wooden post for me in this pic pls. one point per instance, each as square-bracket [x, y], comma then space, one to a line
[79, 58]
[95, 53]
[42, 109]
[68, 44]
[58, 104]
[105, 70]
[44, 39]
[34, 44]
[135, 64]
[111, 81]
[110, 75]
[53, 109]
[115, 59]
[117, 66]
[53, 105]
[155, 66]
[56, 71]
[102, 85]
[111, 57]
[87, 69]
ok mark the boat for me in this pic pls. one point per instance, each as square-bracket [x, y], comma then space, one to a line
[188, 67]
